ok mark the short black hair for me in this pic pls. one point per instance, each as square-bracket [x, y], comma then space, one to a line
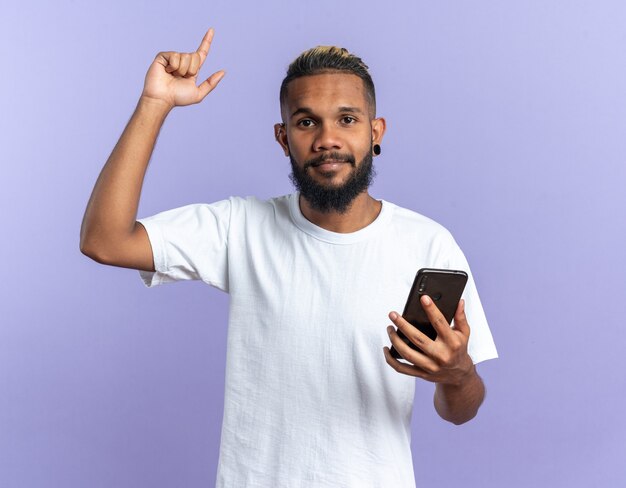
[329, 59]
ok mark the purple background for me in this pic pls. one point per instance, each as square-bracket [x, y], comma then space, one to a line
[506, 123]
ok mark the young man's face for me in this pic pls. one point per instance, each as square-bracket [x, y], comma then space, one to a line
[328, 134]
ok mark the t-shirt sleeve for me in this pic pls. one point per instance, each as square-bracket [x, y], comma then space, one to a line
[481, 345]
[189, 243]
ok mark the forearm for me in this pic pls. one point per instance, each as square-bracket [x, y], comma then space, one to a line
[459, 403]
[112, 208]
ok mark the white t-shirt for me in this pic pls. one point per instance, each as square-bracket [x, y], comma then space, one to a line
[309, 399]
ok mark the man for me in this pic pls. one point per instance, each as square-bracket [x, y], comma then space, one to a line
[313, 396]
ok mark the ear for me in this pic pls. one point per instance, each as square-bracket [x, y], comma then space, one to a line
[379, 125]
[280, 133]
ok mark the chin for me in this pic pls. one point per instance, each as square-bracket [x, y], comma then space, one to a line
[331, 181]
[332, 191]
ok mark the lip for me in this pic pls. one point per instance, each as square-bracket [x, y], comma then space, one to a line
[330, 163]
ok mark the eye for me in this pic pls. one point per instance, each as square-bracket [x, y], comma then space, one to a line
[348, 120]
[305, 123]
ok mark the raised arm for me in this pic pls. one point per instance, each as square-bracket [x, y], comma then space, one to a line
[109, 232]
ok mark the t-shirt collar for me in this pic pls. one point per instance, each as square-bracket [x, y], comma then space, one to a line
[320, 233]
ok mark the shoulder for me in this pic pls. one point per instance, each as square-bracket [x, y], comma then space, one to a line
[233, 206]
[254, 207]
[424, 237]
[412, 223]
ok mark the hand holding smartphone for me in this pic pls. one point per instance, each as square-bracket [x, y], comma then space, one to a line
[444, 287]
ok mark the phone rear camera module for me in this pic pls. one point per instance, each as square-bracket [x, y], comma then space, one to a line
[423, 284]
[436, 297]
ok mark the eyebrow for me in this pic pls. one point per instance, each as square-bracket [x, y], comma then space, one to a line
[309, 111]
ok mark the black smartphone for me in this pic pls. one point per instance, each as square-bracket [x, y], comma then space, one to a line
[444, 287]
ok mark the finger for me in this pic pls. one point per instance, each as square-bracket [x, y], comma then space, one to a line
[185, 62]
[405, 368]
[163, 58]
[418, 359]
[436, 318]
[173, 61]
[203, 50]
[460, 319]
[194, 65]
[211, 82]
[412, 333]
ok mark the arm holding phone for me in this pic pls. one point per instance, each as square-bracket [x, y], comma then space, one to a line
[445, 361]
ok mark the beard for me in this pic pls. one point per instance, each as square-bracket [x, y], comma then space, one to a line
[332, 198]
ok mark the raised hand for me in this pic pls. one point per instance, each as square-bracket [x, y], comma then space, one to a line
[444, 360]
[171, 78]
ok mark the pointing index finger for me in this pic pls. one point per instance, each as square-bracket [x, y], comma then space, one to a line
[203, 50]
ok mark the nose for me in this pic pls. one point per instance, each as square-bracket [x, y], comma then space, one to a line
[327, 138]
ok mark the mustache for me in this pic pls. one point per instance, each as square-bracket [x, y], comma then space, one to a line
[348, 158]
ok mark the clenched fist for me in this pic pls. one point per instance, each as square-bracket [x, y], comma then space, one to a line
[172, 76]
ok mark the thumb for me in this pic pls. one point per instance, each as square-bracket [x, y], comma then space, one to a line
[211, 82]
[460, 319]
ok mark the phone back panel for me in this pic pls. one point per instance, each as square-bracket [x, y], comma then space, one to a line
[445, 287]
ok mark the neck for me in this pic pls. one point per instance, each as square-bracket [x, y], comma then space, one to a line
[362, 212]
